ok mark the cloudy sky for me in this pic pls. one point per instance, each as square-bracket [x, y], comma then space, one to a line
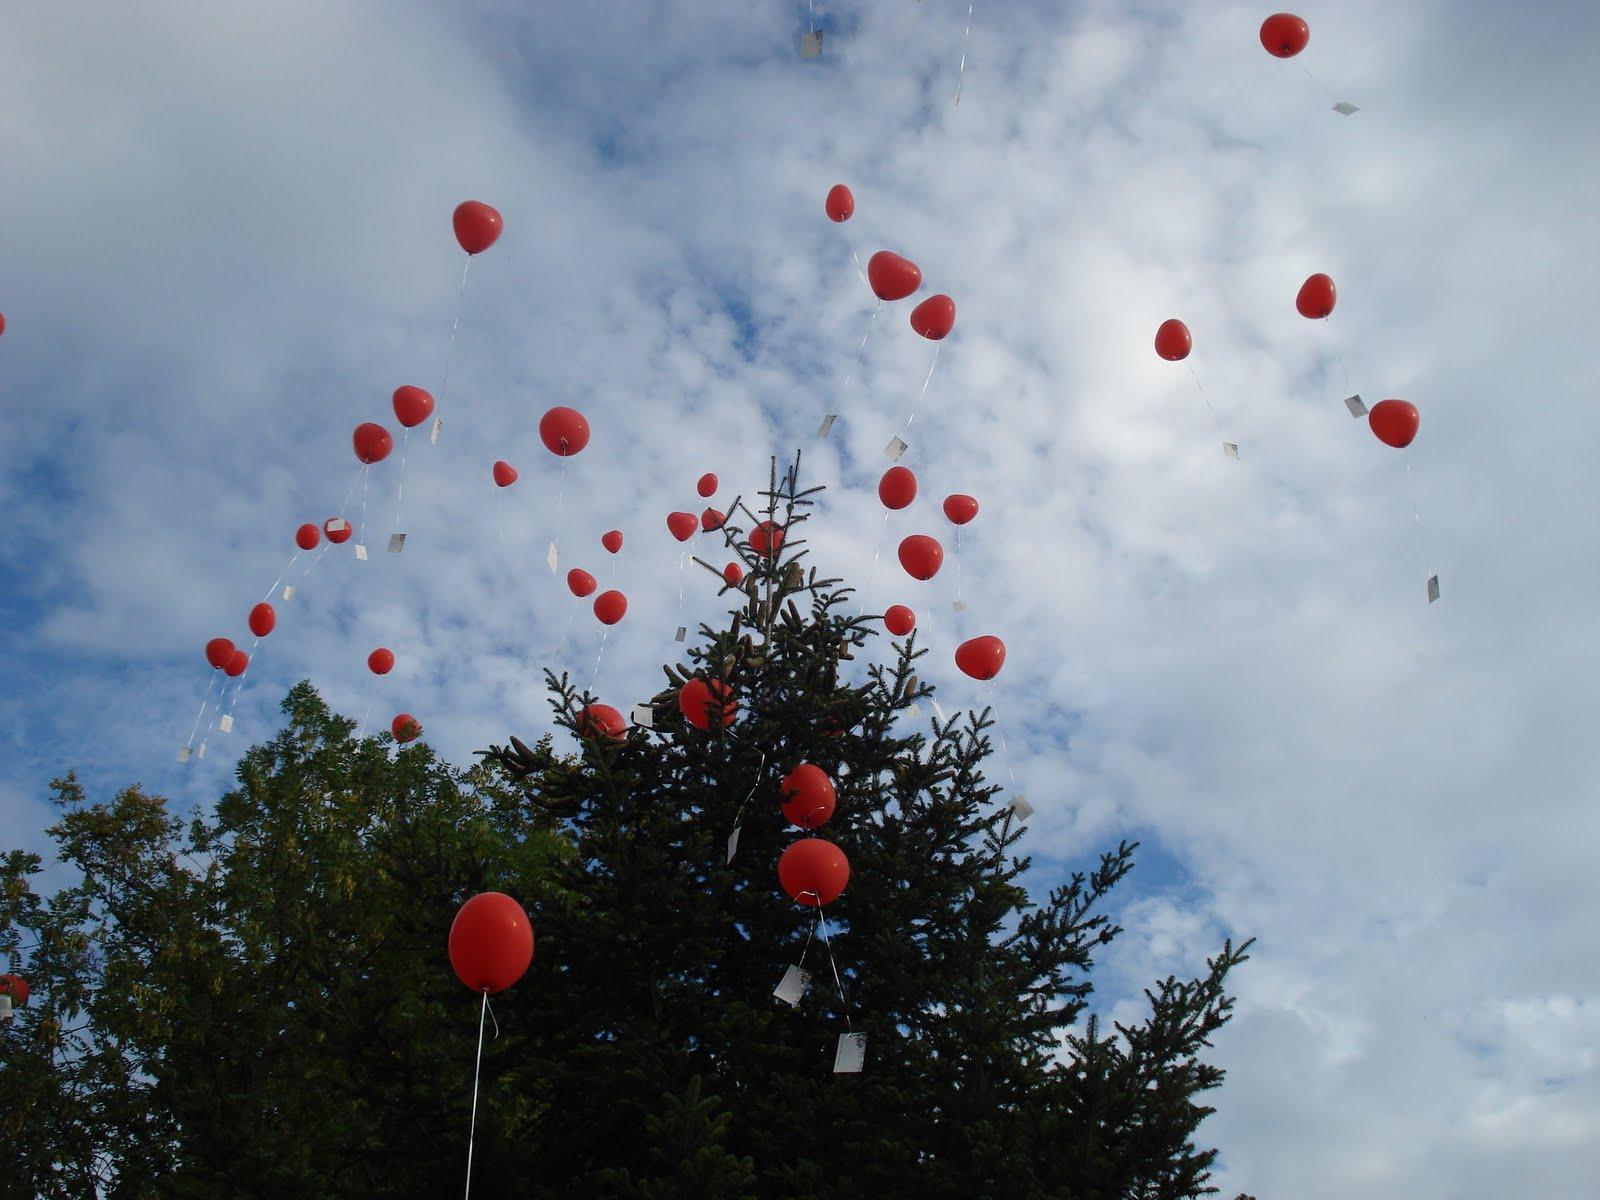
[225, 239]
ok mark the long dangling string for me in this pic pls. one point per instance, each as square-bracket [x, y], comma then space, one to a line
[876, 554]
[1215, 419]
[862, 348]
[477, 1069]
[822, 924]
[1005, 751]
[361, 529]
[400, 484]
[595, 678]
[962, 69]
[449, 353]
[923, 394]
[1422, 534]
[206, 699]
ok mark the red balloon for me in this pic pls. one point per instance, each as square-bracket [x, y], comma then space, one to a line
[338, 530]
[307, 536]
[711, 519]
[381, 661]
[1173, 342]
[981, 657]
[935, 317]
[699, 702]
[840, 205]
[1316, 297]
[960, 508]
[682, 525]
[504, 473]
[707, 487]
[921, 556]
[14, 986]
[766, 539]
[601, 720]
[732, 574]
[412, 406]
[564, 431]
[477, 226]
[899, 620]
[491, 942]
[610, 607]
[808, 797]
[897, 488]
[612, 541]
[581, 582]
[1395, 422]
[813, 872]
[2, 322]
[219, 651]
[263, 620]
[372, 442]
[405, 728]
[893, 277]
[238, 664]
[1284, 34]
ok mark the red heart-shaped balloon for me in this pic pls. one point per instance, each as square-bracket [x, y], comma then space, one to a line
[981, 657]
[581, 582]
[711, 519]
[338, 530]
[707, 487]
[610, 607]
[960, 508]
[219, 651]
[897, 488]
[892, 277]
[1316, 297]
[405, 728]
[1284, 35]
[601, 720]
[564, 431]
[1395, 422]
[504, 474]
[899, 620]
[841, 204]
[307, 536]
[477, 226]
[412, 406]
[813, 872]
[766, 539]
[682, 525]
[1173, 342]
[263, 619]
[372, 442]
[238, 664]
[809, 796]
[921, 556]
[612, 540]
[732, 574]
[700, 700]
[935, 317]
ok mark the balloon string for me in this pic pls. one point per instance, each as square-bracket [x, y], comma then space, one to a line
[499, 507]
[400, 484]
[860, 270]
[1005, 751]
[861, 349]
[361, 728]
[477, 1070]
[450, 350]
[806, 949]
[1217, 421]
[958, 570]
[923, 394]
[1332, 95]
[326, 547]
[361, 530]
[206, 699]
[595, 677]
[877, 553]
[961, 71]
[243, 675]
[822, 923]
[812, 6]
[287, 567]
[561, 645]
[749, 796]
[1416, 511]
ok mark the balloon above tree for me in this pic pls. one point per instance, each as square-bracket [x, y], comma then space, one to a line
[1395, 422]
[477, 226]
[381, 661]
[1284, 35]
[307, 536]
[412, 406]
[921, 556]
[491, 942]
[892, 277]
[981, 657]
[263, 620]
[960, 508]
[504, 474]
[1316, 297]
[219, 651]
[898, 487]
[564, 431]
[610, 607]
[840, 204]
[1173, 342]
[372, 442]
[934, 318]
[405, 728]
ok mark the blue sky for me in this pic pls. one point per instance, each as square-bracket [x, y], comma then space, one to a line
[226, 241]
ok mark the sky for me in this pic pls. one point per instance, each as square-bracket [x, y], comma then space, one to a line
[226, 240]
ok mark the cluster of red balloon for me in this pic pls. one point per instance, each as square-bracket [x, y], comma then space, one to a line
[813, 871]
[13, 988]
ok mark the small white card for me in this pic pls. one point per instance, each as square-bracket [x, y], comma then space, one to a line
[827, 424]
[1344, 108]
[895, 448]
[201, 753]
[811, 44]
[361, 552]
[397, 543]
[553, 559]
[851, 1055]
[438, 424]
[226, 724]
[1231, 449]
[682, 633]
[5, 1006]
[733, 844]
[792, 986]
[288, 591]
[1433, 588]
[1020, 806]
[183, 755]
[1356, 407]
[960, 606]
[644, 715]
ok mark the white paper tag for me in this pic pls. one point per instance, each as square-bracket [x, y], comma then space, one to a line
[361, 552]
[733, 844]
[433, 436]
[1344, 108]
[288, 591]
[937, 709]
[183, 755]
[1020, 806]
[553, 559]
[811, 44]
[1356, 407]
[895, 448]
[226, 724]
[827, 424]
[792, 986]
[851, 1055]
[201, 752]
[960, 606]
[397, 543]
[1433, 588]
[5, 1006]
[644, 715]
[682, 633]
[915, 710]
[1231, 449]
[338, 525]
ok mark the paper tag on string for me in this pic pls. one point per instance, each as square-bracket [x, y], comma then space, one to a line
[5, 1006]
[644, 715]
[226, 724]
[553, 559]
[1231, 449]
[397, 543]
[792, 986]
[338, 525]
[1020, 806]
[1357, 409]
[811, 44]
[433, 435]
[827, 424]
[960, 606]
[1344, 108]
[733, 844]
[1433, 588]
[183, 755]
[682, 633]
[851, 1055]
[895, 448]
[288, 591]
[361, 552]
[201, 752]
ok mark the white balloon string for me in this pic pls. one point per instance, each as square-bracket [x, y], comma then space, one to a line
[923, 394]
[861, 349]
[877, 553]
[499, 507]
[810, 933]
[243, 675]
[281, 574]
[361, 530]
[472, 1135]
[958, 570]
[561, 645]
[822, 923]
[860, 270]
[1215, 420]
[326, 546]
[961, 71]
[595, 677]
[1416, 511]
[206, 699]
[400, 479]
[450, 350]
[1005, 751]
[750, 795]
[811, 5]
